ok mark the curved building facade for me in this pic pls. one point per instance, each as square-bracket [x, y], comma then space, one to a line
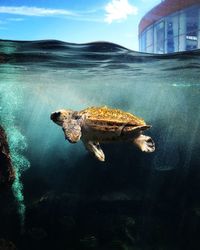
[173, 25]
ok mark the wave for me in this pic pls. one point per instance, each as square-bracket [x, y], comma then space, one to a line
[54, 53]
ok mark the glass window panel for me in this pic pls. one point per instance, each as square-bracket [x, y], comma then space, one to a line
[159, 38]
[143, 42]
[149, 49]
[176, 44]
[182, 23]
[191, 29]
[199, 30]
[172, 24]
[149, 37]
[170, 36]
[175, 21]
[182, 42]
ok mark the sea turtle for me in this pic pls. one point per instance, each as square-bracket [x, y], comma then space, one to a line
[94, 125]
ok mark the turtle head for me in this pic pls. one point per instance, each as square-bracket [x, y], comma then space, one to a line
[70, 122]
[61, 115]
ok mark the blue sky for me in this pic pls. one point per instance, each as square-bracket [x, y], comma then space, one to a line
[77, 21]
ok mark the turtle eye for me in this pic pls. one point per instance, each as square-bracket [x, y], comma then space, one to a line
[77, 117]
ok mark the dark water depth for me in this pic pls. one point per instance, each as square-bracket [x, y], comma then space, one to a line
[63, 198]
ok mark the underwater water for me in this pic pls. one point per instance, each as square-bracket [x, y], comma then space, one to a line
[64, 198]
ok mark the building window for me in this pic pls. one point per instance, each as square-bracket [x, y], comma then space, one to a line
[159, 38]
[143, 42]
[198, 46]
[191, 35]
[149, 40]
[170, 37]
[172, 25]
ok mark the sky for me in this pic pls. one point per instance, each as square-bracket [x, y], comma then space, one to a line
[75, 21]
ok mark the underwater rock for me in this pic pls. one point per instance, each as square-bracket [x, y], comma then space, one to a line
[7, 173]
[7, 245]
[130, 229]
[89, 242]
[37, 233]
[197, 211]
[68, 222]
[117, 245]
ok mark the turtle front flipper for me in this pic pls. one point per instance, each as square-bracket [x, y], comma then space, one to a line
[145, 143]
[95, 149]
[72, 130]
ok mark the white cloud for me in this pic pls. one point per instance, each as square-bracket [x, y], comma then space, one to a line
[15, 19]
[88, 16]
[117, 10]
[34, 11]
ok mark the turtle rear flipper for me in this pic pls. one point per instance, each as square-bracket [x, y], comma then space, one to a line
[145, 143]
[95, 149]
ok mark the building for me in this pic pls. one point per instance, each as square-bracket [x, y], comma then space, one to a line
[173, 25]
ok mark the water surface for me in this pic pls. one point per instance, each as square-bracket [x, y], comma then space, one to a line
[133, 200]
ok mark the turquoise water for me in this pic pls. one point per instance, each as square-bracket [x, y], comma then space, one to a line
[60, 188]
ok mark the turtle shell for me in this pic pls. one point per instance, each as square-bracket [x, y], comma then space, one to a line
[108, 119]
